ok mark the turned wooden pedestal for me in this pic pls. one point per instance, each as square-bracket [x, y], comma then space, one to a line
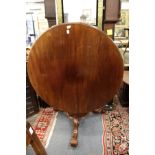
[75, 68]
[74, 140]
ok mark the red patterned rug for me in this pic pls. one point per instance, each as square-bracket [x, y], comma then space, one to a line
[116, 130]
[43, 123]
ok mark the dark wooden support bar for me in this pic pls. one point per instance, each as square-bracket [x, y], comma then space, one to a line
[33, 140]
[50, 12]
[110, 16]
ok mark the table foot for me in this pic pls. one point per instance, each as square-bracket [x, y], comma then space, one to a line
[74, 140]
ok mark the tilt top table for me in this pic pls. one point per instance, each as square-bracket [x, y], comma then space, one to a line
[75, 68]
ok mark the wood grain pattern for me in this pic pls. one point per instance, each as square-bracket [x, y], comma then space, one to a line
[75, 68]
[33, 140]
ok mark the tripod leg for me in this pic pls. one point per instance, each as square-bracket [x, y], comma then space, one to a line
[74, 140]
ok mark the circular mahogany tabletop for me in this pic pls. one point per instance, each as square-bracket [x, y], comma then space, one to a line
[75, 68]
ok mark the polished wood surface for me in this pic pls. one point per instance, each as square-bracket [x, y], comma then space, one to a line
[75, 68]
[33, 140]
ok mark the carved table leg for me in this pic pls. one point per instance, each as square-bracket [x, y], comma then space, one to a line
[74, 140]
